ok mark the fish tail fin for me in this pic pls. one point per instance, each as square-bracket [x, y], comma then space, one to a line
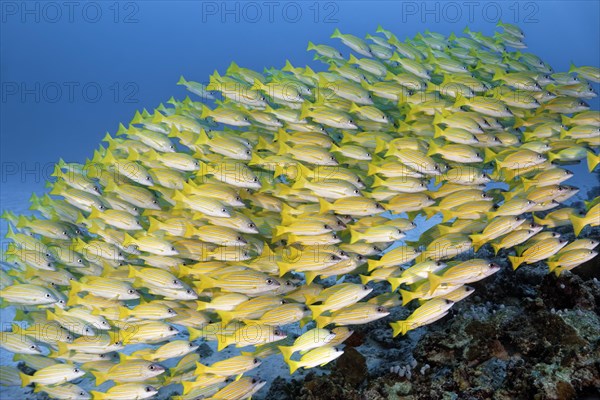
[394, 283]
[478, 241]
[128, 240]
[310, 276]
[316, 311]
[206, 112]
[399, 328]
[372, 264]
[201, 369]
[434, 281]
[98, 395]
[572, 68]
[516, 261]
[62, 348]
[325, 206]
[552, 265]
[364, 279]
[592, 160]
[336, 34]
[355, 236]
[286, 352]
[497, 247]
[558, 270]
[311, 46]
[100, 377]
[372, 169]
[154, 225]
[224, 340]
[294, 365]
[25, 379]
[322, 321]
[578, 223]
[407, 296]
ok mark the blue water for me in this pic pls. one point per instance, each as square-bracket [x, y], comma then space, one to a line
[70, 72]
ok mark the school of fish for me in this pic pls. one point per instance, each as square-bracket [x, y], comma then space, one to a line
[242, 218]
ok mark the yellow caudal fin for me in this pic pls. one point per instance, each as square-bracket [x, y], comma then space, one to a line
[25, 379]
[364, 279]
[407, 296]
[592, 160]
[62, 348]
[434, 281]
[316, 310]
[194, 333]
[578, 223]
[478, 241]
[99, 395]
[552, 265]
[372, 264]
[224, 340]
[355, 236]
[226, 316]
[310, 276]
[557, 271]
[325, 206]
[100, 376]
[322, 321]
[496, 247]
[294, 365]
[516, 261]
[394, 282]
[399, 328]
[201, 369]
[286, 352]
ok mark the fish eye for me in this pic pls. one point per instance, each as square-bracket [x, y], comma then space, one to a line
[151, 367]
[171, 329]
[334, 236]
[134, 208]
[380, 309]
[87, 330]
[48, 295]
[101, 207]
[170, 311]
[175, 282]
[82, 393]
[255, 180]
[32, 347]
[365, 287]
[154, 202]
[256, 361]
[350, 121]
[356, 191]
[248, 152]
[76, 370]
[254, 379]
[118, 343]
[251, 225]
[131, 291]
[246, 119]
[269, 281]
[149, 388]
[171, 147]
